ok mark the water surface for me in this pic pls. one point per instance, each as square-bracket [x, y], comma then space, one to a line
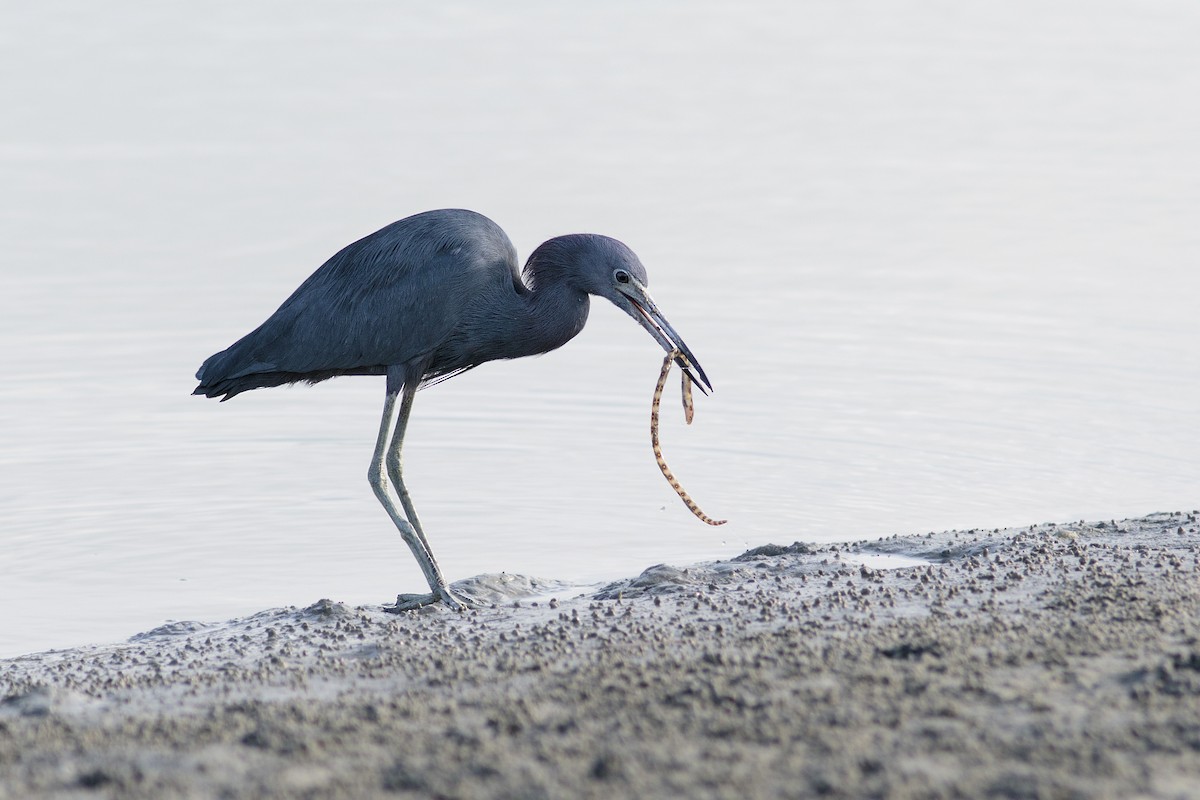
[938, 260]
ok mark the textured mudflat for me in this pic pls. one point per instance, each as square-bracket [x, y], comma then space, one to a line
[1052, 661]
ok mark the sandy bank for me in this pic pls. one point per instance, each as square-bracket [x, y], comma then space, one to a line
[1052, 661]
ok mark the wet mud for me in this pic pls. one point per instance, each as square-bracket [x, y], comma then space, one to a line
[1049, 661]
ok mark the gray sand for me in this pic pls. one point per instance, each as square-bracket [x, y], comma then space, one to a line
[1054, 661]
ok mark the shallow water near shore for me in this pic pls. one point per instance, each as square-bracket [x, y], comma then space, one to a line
[940, 268]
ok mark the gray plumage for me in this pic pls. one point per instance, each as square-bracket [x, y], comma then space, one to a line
[422, 300]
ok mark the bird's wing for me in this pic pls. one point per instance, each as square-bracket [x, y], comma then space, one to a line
[389, 298]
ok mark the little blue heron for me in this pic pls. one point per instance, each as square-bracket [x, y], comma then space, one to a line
[423, 300]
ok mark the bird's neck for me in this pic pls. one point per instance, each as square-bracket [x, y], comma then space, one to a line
[552, 313]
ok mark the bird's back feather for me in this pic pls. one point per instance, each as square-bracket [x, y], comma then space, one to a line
[394, 297]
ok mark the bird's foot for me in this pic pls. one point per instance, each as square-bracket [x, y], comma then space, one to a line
[411, 602]
[456, 601]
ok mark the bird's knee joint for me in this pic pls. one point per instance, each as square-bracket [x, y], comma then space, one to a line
[375, 476]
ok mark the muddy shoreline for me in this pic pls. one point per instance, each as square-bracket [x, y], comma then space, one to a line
[1050, 661]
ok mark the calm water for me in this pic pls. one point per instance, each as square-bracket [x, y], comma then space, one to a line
[939, 260]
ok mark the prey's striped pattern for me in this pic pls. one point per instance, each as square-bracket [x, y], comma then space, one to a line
[687, 413]
[688, 410]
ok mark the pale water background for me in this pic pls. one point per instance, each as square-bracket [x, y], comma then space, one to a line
[940, 260]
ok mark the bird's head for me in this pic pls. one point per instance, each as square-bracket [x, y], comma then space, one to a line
[607, 268]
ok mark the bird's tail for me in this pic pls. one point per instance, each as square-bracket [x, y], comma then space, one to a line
[215, 376]
[230, 372]
[235, 370]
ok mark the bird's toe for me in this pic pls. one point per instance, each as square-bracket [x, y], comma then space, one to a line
[459, 600]
[411, 602]
[455, 600]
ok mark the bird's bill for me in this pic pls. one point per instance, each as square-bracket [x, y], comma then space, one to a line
[642, 308]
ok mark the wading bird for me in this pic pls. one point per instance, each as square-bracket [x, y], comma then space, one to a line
[423, 300]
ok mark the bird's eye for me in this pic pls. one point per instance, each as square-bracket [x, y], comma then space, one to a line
[621, 276]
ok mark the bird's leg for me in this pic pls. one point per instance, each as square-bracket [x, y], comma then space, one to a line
[385, 466]
[394, 464]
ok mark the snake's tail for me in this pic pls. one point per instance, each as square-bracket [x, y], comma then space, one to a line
[658, 455]
[689, 410]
